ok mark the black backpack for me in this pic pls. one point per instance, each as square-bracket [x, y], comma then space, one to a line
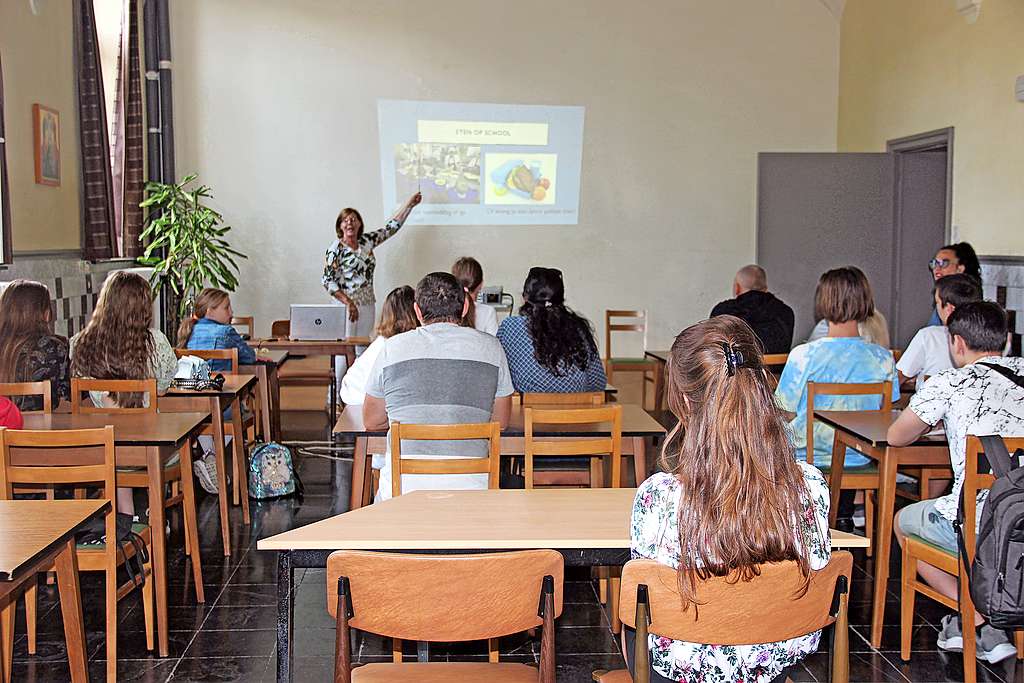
[997, 573]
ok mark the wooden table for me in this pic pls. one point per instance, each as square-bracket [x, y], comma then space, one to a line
[267, 366]
[216, 401]
[146, 440]
[661, 357]
[327, 347]
[589, 527]
[866, 431]
[39, 534]
[637, 425]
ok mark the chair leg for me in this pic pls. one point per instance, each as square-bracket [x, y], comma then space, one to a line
[31, 613]
[1018, 641]
[597, 473]
[7, 627]
[923, 481]
[869, 519]
[189, 511]
[602, 584]
[907, 594]
[614, 581]
[111, 598]
[967, 628]
[148, 603]
[841, 642]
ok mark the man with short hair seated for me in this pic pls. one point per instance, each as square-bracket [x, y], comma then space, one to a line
[768, 316]
[439, 373]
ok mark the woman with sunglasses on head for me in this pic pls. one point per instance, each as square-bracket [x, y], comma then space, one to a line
[951, 259]
[732, 496]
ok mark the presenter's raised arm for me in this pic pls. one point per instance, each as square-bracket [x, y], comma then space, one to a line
[403, 213]
[395, 222]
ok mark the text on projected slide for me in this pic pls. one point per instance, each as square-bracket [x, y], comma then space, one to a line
[482, 164]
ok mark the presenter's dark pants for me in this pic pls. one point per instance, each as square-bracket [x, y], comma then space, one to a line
[655, 677]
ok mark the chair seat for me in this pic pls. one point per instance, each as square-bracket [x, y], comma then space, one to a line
[445, 672]
[636, 361]
[929, 544]
[617, 676]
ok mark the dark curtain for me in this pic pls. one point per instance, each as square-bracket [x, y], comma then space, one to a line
[5, 191]
[128, 137]
[97, 185]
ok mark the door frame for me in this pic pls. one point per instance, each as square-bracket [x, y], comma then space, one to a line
[924, 142]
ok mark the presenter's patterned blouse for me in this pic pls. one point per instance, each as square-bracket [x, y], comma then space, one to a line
[351, 270]
[654, 535]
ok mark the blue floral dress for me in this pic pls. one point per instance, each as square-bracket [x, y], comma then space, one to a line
[654, 534]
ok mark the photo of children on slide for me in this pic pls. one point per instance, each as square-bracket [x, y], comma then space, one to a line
[444, 173]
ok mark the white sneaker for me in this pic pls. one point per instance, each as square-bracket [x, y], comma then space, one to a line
[950, 636]
[994, 645]
[206, 472]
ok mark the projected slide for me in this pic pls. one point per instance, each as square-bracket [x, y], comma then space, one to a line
[482, 164]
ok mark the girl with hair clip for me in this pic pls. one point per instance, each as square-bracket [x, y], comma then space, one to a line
[29, 350]
[732, 495]
[550, 348]
[209, 328]
[470, 274]
[397, 316]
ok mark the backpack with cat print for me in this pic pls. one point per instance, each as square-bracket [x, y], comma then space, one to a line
[271, 472]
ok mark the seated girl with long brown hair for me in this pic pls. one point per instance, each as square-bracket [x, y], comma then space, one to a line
[732, 494]
[29, 350]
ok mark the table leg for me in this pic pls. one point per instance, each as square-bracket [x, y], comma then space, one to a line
[659, 387]
[275, 403]
[71, 611]
[883, 523]
[7, 635]
[191, 513]
[241, 459]
[358, 474]
[639, 459]
[155, 466]
[835, 478]
[285, 616]
[334, 393]
[217, 418]
[264, 388]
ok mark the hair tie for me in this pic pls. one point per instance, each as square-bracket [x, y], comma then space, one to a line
[547, 304]
[733, 358]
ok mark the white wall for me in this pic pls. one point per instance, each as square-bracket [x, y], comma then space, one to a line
[275, 106]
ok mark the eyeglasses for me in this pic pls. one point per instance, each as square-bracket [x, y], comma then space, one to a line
[938, 263]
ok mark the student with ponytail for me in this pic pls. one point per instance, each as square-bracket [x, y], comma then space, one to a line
[209, 328]
[731, 497]
[470, 274]
[550, 348]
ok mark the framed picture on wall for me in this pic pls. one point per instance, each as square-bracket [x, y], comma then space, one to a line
[46, 143]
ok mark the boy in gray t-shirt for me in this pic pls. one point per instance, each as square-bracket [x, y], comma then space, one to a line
[440, 373]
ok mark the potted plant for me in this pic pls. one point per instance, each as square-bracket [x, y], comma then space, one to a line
[186, 245]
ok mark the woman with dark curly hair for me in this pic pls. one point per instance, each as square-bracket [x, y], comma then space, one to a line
[950, 260]
[550, 348]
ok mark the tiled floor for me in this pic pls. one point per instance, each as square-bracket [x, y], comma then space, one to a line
[231, 637]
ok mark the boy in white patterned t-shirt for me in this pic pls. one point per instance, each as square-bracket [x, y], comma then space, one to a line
[972, 398]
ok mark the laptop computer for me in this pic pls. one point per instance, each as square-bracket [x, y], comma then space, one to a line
[317, 322]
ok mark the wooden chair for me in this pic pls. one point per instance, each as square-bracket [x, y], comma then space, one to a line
[448, 598]
[917, 549]
[583, 398]
[182, 491]
[43, 389]
[449, 465]
[245, 321]
[775, 360]
[596, 448]
[636, 322]
[78, 457]
[230, 355]
[771, 607]
[865, 477]
[281, 329]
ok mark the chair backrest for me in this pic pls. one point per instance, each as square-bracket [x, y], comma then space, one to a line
[582, 446]
[583, 398]
[814, 389]
[61, 457]
[281, 329]
[897, 354]
[245, 321]
[975, 480]
[446, 598]
[450, 465]
[112, 386]
[769, 608]
[774, 359]
[42, 388]
[230, 355]
[636, 322]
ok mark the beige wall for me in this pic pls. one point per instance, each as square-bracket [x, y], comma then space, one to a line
[276, 108]
[911, 66]
[38, 68]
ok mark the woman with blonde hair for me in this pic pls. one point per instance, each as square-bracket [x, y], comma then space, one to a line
[209, 328]
[29, 350]
[732, 497]
[397, 316]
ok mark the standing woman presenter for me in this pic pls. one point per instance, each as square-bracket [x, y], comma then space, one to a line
[349, 266]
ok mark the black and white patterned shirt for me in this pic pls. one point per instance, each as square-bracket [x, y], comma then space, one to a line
[351, 270]
[972, 400]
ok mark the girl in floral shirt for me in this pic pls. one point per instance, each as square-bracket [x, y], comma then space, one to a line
[733, 491]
